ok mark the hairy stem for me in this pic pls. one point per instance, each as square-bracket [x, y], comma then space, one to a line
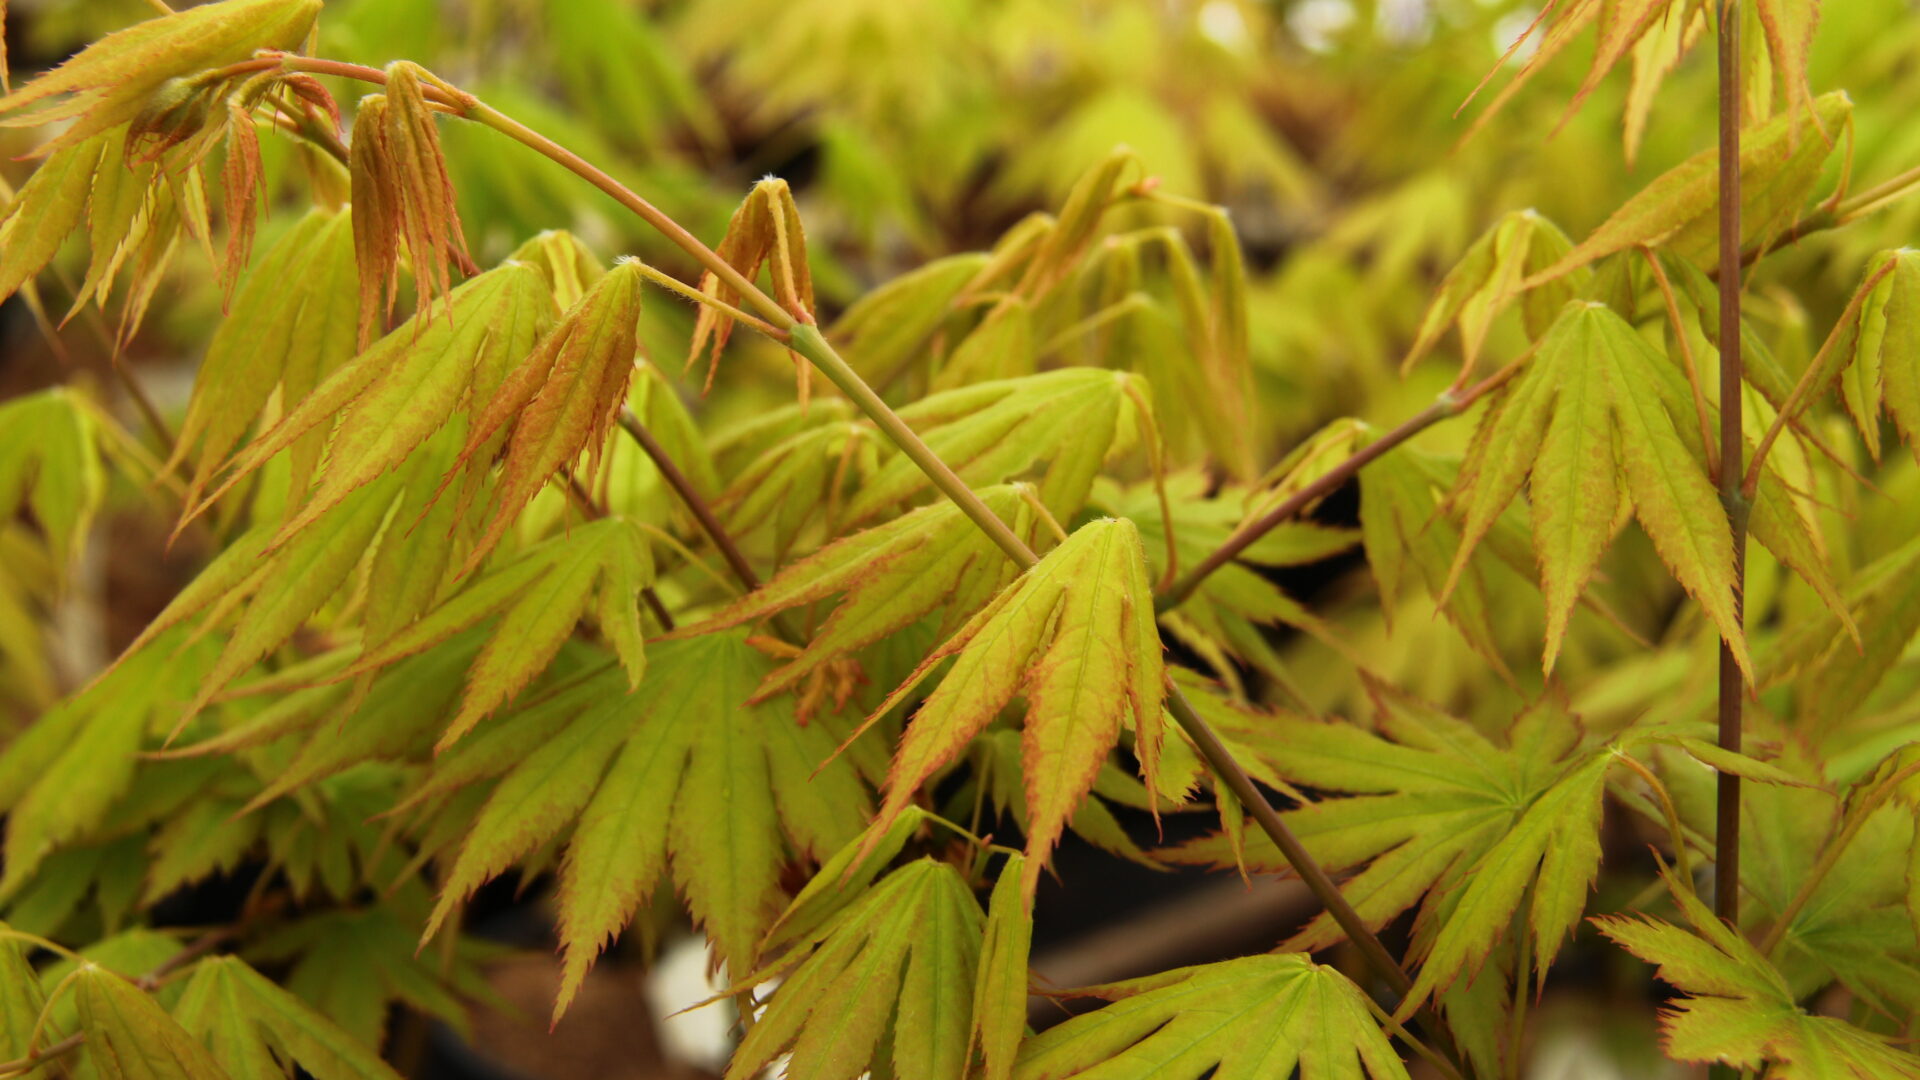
[1733, 687]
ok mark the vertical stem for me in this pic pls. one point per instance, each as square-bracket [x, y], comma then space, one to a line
[1726, 874]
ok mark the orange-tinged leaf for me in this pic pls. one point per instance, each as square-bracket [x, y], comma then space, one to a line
[1253, 1018]
[47, 208]
[764, 231]
[693, 774]
[288, 327]
[1075, 636]
[562, 399]
[1000, 995]
[931, 559]
[1779, 161]
[1071, 419]
[110, 81]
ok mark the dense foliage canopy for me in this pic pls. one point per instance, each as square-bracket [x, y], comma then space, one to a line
[1108, 413]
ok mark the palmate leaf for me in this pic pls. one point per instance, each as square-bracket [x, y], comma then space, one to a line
[394, 396]
[683, 771]
[61, 779]
[130, 1037]
[46, 209]
[1222, 619]
[353, 966]
[1739, 1010]
[561, 400]
[540, 595]
[290, 327]
[888, 328]
[1254, 1018]
[110, 81]
[930, 559]
[897, 968]
[50, 464]
[1485, 282]
[248, 1022]
[799, 478]
[1074, 636]
[1780, 161]
[20, 1004]
[1586, 423]
[1072, 419]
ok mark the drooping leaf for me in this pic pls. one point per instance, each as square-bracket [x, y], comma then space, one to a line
[1255, 1017]
[1072, 420]
[561, 400]
[1739, 1010]
[110, 81]
[898, 966]
[50, 464]
[248, 1022]
[683, 771]
[765, 231]
[1000, 994]
[931, 559]
[403, 195]
[1074, 635]
[130, 1037]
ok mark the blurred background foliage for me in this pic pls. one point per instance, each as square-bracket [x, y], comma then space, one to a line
[919, 130]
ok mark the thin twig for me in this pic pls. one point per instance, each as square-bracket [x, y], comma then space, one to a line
[22, 1065]
[691, 498]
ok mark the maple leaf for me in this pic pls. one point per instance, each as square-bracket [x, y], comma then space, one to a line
[898, 967]
[927, 560]
[990, 432]
[1222, 618]
[1486, 281]
[290, 327]
[1254, 1017]
[1780, 161]
[800, 477]
[683, 771]
[539, 596]
[130, 1037]
[110, 81]
[1739, 1010]
[403, 195]
[1585, 424]
[1075, 636]
[764, 230]
[50, 464]
[561, 400]
[395, 395]
[251, 1025]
